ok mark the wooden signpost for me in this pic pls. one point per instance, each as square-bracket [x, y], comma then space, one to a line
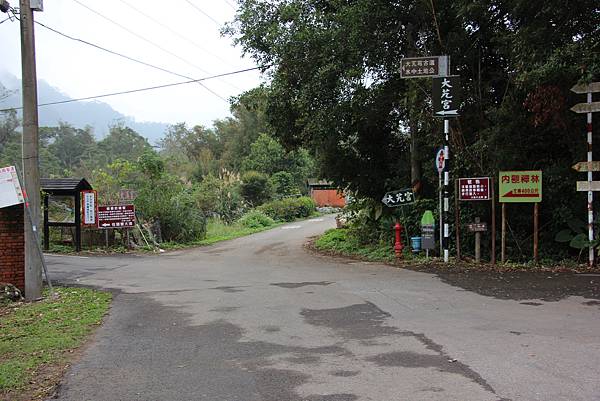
[520, 187]
[590, 166]
[475, 189]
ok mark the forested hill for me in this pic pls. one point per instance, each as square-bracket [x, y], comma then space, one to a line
[96, 114]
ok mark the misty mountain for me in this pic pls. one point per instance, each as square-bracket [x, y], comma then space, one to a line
[96, 114]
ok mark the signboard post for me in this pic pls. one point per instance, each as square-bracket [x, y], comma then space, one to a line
[424, 67]
[589, 107]
[118, 216]
[89, 205]
[475, 189]
[446, 100]
[520, 187]
[440, 164]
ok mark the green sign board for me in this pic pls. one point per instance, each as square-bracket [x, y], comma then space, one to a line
[520, 186]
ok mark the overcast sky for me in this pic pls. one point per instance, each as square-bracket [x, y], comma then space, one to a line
[189, 35]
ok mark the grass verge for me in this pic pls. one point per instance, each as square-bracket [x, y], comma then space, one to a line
[337, 241]
[38, 339]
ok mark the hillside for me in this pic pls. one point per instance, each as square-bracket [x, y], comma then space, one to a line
[97, 114]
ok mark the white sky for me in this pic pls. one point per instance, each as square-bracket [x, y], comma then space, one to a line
[79, 70]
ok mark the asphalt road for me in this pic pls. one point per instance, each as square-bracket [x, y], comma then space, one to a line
[260, 318]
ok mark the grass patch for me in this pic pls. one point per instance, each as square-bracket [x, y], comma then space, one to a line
[340, 242]
[38, 336]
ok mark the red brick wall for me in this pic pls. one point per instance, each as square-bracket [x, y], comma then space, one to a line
[12, 246]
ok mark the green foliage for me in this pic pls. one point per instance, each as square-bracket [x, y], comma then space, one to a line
[282, 184]
[256, 219]
[343, 242]
[289, 209]
[255, 187]
[43, 333]
[220, 196]
[122, 143]
[174, 207]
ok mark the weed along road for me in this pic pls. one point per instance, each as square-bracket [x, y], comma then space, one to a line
[261, 318]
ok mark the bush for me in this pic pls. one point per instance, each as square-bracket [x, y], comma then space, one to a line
[220, 197]
[167, 201]
[256, 219]
[288, 209]
[282, 184]
[255, 187]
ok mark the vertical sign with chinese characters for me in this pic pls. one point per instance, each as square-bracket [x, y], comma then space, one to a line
[446, 96]
[89, 207]
[520, 186]
[472, 189]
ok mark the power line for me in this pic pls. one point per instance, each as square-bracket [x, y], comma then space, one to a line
[203, 13]
[230, 5]
[179, 35]
[139, 89]
[116, 53]
[152, 43]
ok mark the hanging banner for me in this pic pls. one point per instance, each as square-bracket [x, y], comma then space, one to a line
[520, 186]
[10, 188]
[89, 206]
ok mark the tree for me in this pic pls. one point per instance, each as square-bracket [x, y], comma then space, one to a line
[255, 188]
[122, 143]
[71, 146]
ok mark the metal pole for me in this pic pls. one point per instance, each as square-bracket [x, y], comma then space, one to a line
[590, 196]
[493, 193]
[503, 239]
[536, 219]
[440, 214]
[457, 220]
[446, 190]
[31, 177]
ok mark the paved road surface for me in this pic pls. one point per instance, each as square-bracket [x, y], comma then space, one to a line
[259, 318]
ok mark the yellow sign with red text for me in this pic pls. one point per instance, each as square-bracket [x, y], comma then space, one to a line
[520, 186]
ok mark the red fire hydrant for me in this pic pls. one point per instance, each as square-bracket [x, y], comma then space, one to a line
[398, 245]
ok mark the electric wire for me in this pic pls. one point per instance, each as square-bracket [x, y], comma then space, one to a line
[202, 12]
[153, 44]
[149, 88]
[230, 5]
[179, 35]
[184, 38]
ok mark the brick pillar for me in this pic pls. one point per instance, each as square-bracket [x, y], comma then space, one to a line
[12, 246]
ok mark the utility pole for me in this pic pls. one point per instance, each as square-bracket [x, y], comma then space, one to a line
[31, 172]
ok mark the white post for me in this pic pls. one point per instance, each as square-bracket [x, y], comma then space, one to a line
[590, 179]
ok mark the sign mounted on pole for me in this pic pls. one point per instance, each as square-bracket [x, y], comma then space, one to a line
[473, 189]
[520, 186]
[424, 67]
[89, 205]
[446, 96]
[584, 186]
[591, 107]
[121, 216]
[582, 167]
[10, 188]
[399, 198]
[440, 160]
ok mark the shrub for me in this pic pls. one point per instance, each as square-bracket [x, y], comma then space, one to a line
[288, 209]
[255, 187]
[256, 219]
[167, 201]
[282, 184]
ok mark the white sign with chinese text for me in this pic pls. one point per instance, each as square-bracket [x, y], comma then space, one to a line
[446, 96]
[10, 188]
[89, 208]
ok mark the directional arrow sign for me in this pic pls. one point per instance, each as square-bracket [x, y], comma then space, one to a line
[399, 198]
[447, 113]
[586, 107]
[584, 186]
[592, 87]
[582, 167]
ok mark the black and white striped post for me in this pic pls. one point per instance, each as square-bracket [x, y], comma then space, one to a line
[446, 214]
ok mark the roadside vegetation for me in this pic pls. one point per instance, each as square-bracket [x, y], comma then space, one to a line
[37, 340]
